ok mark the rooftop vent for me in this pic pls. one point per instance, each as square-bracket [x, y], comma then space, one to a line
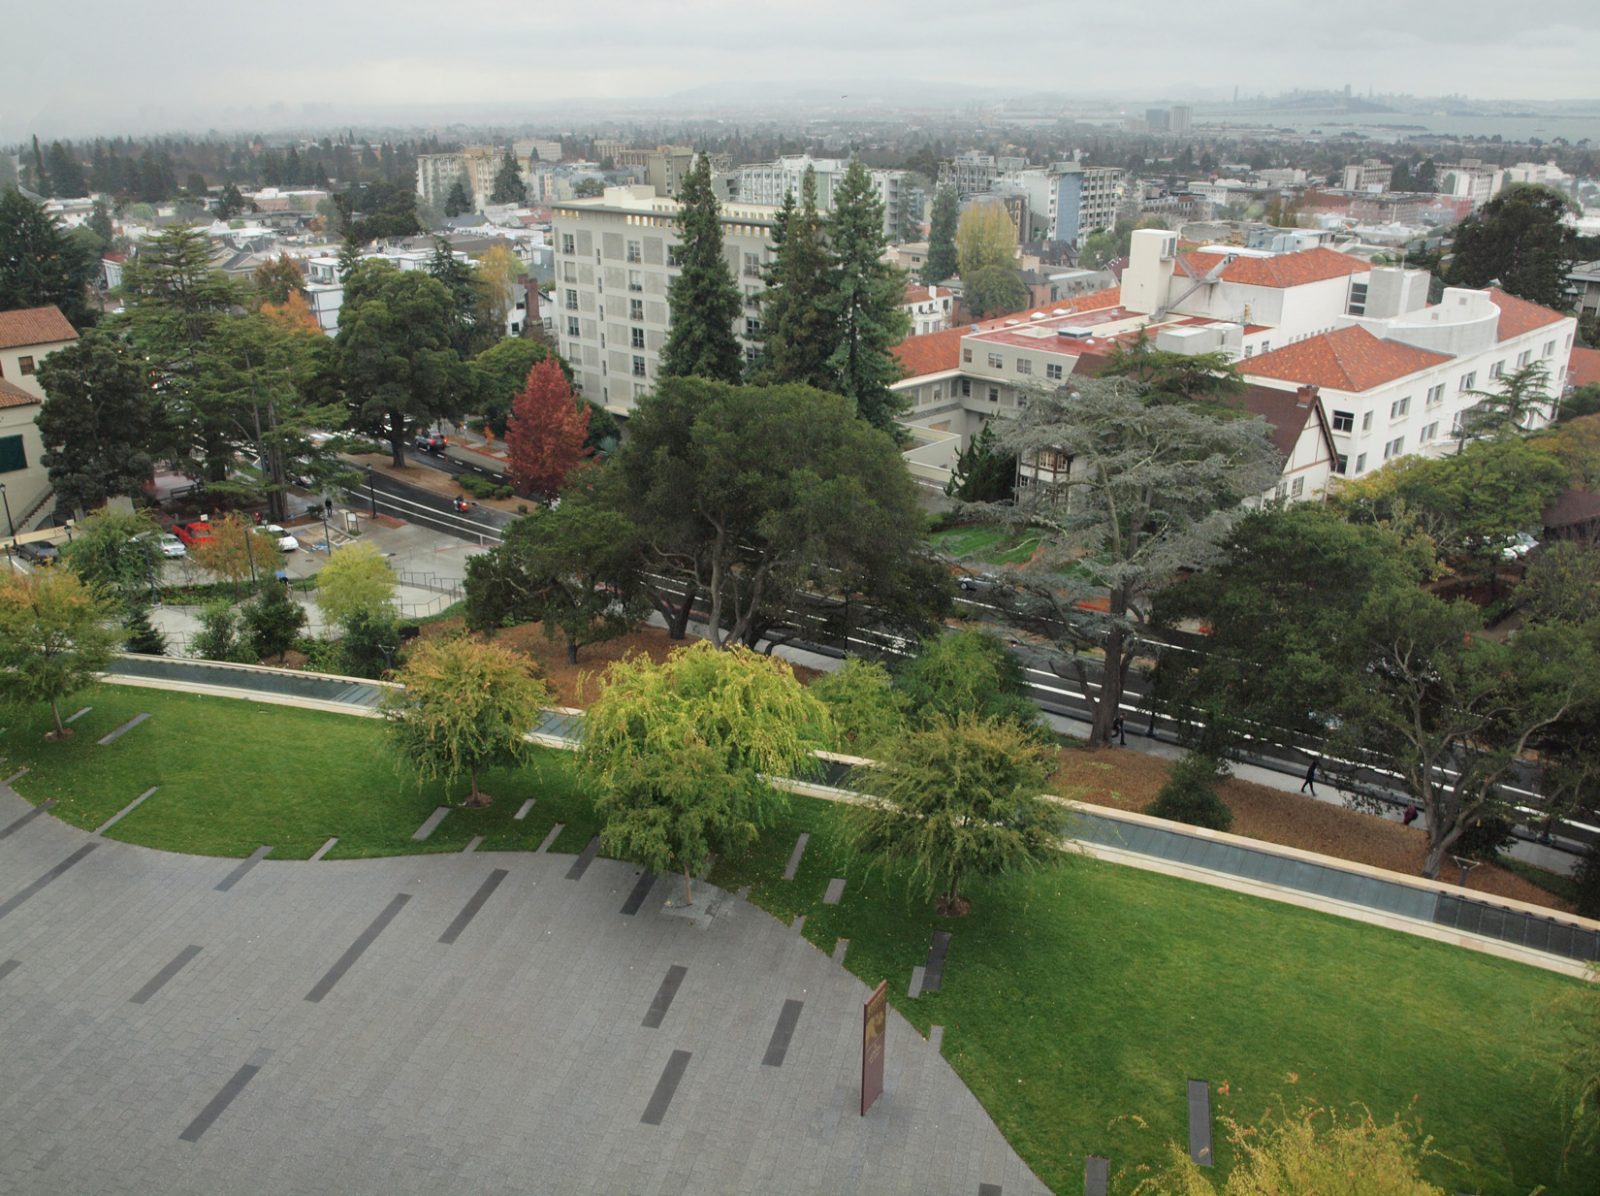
[1075, 332]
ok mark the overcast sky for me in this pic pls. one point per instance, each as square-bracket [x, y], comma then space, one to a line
[95, 66]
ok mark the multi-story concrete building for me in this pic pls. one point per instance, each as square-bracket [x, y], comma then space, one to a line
[1368, 175]
[768, 183]
[1065, 202]
[475, 166]
[1181, 118]
[614, 261]
[1584, 285]
[1471, 179]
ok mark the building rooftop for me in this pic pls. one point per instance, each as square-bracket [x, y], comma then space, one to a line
[1518, 316]
[34, 326]
[1349, 359]
[934, 352]
[1280, 270]
[14, 396]
[1286, 411]
[1583, 368]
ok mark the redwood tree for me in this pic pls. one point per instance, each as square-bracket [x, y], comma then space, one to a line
[545, 435]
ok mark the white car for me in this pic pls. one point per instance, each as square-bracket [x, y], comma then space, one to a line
[1521, 545]
[282, 538]
[171, 547]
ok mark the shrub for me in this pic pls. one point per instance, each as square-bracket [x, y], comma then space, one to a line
[483, 487]
[143, 635]
[1190, 794]
[272, 622]
[371, 640]
[218, 637]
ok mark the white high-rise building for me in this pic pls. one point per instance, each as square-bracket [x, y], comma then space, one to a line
[769, 182]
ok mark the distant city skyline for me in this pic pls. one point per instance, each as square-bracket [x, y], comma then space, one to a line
[161, 65]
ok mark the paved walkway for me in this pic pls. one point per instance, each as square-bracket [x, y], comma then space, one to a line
[470, 1023]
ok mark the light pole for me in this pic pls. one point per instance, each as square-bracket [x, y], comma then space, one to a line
[11, 528]
[372, 490]
[327, 536]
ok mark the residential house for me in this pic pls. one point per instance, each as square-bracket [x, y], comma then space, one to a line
[27, 337]
[929, 307]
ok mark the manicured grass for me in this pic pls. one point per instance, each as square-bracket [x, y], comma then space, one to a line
[234, 775]
[1077, 1000]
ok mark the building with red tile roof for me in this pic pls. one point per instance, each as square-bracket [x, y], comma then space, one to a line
[1278, 271]
[1349, 359]
[27, 337]
[1518, 316]
[35, 326]
[1583, 367]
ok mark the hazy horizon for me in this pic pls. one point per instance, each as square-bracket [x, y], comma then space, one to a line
[172, 68]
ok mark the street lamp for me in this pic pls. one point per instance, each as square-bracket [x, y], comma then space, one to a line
[11, 528]
[372, 489]
[327, 536]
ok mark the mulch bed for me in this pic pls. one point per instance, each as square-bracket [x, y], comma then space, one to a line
[1129, 780]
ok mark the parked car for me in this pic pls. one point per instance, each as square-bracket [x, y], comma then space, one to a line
[190, 534]
[39, 552]
[431, 444]
[974, 583]
[1521, 545]
[171, 547]
[281, 537]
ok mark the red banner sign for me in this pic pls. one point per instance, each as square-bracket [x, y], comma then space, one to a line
[874, 1022]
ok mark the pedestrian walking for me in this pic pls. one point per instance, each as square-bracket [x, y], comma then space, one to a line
[1410, 815]
[1117, 732]
[1311, 777]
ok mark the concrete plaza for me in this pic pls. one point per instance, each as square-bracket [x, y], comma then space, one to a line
[460, 1023]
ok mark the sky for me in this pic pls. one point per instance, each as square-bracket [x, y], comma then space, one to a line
[149, 65]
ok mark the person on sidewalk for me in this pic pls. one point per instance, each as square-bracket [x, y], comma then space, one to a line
[1410, 815]
[1118, 733]
[1311, 777]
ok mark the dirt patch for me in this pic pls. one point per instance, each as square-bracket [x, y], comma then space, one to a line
[576, 685]
[1128, 780]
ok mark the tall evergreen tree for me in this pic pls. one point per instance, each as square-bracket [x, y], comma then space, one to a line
[797, 320]
[39, 263]
[704, 299]
[66, 172]
[865, 303]
[508, 184]
[1521, 240]
[459, 200]
[941, 262]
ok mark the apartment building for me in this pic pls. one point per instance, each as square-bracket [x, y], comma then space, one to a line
[768, 183]
[1064, 203]
[1471, 179]
[1368, 175]
[475, 166]
[614, 262]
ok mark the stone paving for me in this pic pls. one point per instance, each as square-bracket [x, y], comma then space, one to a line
[308, 1030]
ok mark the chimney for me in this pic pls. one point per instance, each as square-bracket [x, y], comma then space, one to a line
[1305, 396]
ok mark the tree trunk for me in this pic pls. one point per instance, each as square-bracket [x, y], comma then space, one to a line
[55, 713]
[688, 886]
[678, 622]
[572, 650]
[397, 438]
[1110, 701]
[475, 798]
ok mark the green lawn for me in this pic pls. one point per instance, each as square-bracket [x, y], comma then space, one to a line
[1077, 1000]
[988, 545]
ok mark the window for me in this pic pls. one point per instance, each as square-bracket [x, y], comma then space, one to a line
[994, 394]
[966, 388]
[1435, 395]
[1358, 299]
[1280, 490]
[635, 252]
[569, 271]
[1341, 463]
[1344, 421]
[996, 361]
[13, 456]
[572, 300]
[752, 265]
[1052, 371]
[635, 280]
[750, 354]
[1366, 421]
[1024, 366]
[1497, 369]
[1266, 346]
[1297, 488]
[752, 328]
[1524, 357]
[636, 309]
[1361, 462]
[1400, 408]
[572, 326]
[674, 255]
[566, 244]
[966, 355]
[1428, 433]
[1469, 380]
[638, 367]
[1549, 351]
[26, 365]
[1249, 351]
[1394, 448]
[636, 337]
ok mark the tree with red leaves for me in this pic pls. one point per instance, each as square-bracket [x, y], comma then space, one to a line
[546, 431]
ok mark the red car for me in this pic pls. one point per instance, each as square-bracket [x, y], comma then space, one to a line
[192, 533]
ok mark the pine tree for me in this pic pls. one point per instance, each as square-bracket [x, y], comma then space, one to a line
[459, 200]
[703, 298]
[39, 263]
[796, 317]
[941, 262]
[349, 258]
[508, 184]
[865, 303]
[545, 435]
